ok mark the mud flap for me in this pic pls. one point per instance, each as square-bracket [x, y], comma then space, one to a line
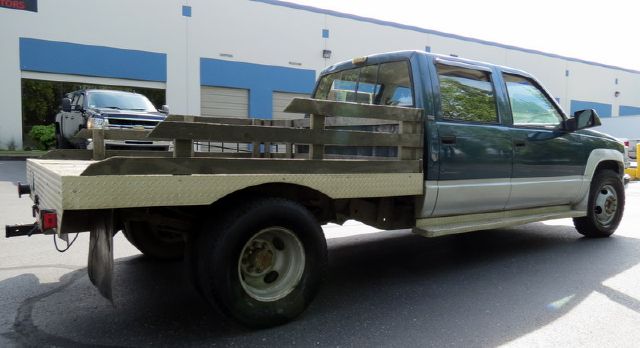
[101, 253]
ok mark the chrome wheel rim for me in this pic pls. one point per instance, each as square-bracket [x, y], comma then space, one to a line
[271, 264]
[606, 205]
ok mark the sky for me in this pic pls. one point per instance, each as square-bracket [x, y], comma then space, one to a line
[601, 31]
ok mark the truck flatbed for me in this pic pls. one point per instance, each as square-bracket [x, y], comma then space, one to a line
[65, 185]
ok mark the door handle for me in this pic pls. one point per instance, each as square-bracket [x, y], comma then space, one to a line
[448, 139]
[519, 143]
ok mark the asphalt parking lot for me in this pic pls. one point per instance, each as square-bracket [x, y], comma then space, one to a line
[541, 284]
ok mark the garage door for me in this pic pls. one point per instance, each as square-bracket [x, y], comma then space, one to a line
[224, 102]
[280, 101]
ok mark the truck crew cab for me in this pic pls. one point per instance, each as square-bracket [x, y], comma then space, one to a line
[106, 109]
[476, 146]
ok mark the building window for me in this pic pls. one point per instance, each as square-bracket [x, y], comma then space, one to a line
[325, 33]
[186, 11]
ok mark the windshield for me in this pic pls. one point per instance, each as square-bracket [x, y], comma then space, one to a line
[119, 101]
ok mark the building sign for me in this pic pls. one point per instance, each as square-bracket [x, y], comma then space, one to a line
[25, 5]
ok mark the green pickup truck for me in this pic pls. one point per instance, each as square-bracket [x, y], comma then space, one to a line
[457, 146]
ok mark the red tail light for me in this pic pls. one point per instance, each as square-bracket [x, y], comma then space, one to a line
[626, 143]
[48, 220]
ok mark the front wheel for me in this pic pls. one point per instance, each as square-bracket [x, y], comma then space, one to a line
[263, 263]
[605, 207]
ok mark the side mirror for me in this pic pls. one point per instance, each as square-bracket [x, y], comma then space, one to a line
[78, 108]
[66, 104]
[164, 109]
[582, 119]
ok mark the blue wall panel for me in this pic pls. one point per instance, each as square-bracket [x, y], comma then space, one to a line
[260, 80]
[629, 110]
[69, 58]
[603, 110]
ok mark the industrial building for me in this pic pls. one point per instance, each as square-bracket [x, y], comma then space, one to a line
[245, 58]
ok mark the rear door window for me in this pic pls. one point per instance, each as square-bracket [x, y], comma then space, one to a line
[380, 84]
[466, 94]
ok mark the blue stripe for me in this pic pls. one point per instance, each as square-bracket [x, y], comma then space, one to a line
[434, 32]
[629, 110]
[70, 58]
[260, 80]
[603, 110]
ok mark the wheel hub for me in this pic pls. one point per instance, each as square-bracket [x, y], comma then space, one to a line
[271, 264]
[606, 205]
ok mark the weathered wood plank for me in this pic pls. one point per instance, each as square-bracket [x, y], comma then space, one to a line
[222, 120]
[78, 154]
[183, 148]
[249, 134]
[118, 134]
[188, 166]
[98, 144]
[348, 109]
[316, 151]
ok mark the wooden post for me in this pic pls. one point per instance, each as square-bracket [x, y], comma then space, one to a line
[98, 144]
[406, 153]
[183, 147]
[316, 151]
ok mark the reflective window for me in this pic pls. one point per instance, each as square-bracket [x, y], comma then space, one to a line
[466, 94]
[529, 105]
[381, 84]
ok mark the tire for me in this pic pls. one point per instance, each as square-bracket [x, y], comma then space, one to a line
[154, 243]
[61, 142]
[263, 263]
[605, 206]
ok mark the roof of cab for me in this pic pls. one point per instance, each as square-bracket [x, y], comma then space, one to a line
[399, 55]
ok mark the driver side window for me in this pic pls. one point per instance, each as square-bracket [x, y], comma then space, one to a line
[529, 105]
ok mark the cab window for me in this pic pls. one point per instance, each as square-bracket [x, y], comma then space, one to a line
[380, 84]
[529, 104]
[466, 94]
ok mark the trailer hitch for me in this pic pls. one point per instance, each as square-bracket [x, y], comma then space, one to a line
[22, 230]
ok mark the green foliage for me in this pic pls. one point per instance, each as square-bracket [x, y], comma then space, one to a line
[467, 103]
[44, 136]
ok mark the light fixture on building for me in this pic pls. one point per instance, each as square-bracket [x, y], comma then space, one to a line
[326, 54]
[616, 94]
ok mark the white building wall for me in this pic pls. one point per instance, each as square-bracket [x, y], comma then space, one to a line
[265, 34]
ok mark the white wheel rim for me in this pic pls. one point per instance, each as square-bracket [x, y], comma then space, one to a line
[271, 264]
[606, 205]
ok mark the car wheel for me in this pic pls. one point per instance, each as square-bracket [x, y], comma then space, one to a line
[605, 206]
[263, 263]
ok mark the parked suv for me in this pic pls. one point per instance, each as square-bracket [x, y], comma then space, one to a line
[107, 109]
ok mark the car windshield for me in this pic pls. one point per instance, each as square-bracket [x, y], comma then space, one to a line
[119, 101]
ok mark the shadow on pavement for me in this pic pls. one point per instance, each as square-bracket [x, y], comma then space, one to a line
[386, 289]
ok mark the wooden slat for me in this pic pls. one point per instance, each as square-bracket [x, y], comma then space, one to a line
[348, 109]
[187, 166]
[248, 134]
[316, 151]
[222, 120]
[77, 154]
[98, 144]
[118, 134]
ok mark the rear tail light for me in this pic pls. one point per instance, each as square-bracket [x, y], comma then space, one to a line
[48, 220]
[626, 143]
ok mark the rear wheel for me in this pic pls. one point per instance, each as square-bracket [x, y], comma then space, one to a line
[263, 263]
[154, 241]
[605, 206]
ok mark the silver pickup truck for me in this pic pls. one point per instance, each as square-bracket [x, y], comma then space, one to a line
[107, 109]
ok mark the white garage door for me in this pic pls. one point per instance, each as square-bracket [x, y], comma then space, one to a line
[280, 101]
[224, 102]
